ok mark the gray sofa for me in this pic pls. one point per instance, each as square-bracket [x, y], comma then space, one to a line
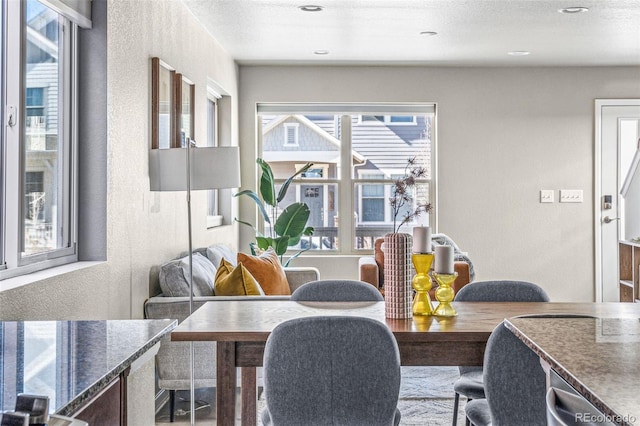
[172, 360]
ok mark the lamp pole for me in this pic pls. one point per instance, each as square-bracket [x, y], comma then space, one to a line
[192, 391]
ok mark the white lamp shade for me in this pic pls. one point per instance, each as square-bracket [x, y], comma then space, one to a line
[211, 168]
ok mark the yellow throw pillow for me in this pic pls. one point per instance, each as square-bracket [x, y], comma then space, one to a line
[266, 269]
[236, 281]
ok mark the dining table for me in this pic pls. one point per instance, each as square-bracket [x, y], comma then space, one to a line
[240, 329]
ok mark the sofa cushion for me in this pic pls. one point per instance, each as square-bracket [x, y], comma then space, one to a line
[235, 281]
[174, 277]
[217, 252]
[266, 269]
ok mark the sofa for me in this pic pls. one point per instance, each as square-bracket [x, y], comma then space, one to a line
[371, 268]
[167, 284]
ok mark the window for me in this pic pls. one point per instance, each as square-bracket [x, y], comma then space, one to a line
[349, 200]
[38, 214]
[388, 119]
[213, 215]
[219, 110]
[291, 134]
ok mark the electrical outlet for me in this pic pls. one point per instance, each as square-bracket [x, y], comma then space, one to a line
[546, 196]
[571, 196]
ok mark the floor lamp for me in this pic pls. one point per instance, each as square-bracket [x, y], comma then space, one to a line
[192, 169]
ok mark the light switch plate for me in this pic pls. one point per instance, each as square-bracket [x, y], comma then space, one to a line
[546, 196]
[571, 196]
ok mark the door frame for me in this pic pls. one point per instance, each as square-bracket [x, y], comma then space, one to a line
[597, 199]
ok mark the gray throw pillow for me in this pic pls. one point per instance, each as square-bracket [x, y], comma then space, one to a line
[174, 277]
[217, 252]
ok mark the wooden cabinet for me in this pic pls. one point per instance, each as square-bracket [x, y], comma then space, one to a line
[629, 271]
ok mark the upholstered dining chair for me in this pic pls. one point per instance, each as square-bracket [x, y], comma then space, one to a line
[514, 384]
[336, 291]
[331, 370]
[470, 384]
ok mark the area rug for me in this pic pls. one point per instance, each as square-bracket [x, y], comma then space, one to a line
[426, 399]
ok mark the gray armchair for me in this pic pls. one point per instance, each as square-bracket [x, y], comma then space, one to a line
[347, 373]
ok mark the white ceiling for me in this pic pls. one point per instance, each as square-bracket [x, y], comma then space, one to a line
[387, 32]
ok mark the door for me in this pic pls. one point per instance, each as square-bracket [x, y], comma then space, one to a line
[313, 195]
[617, 133]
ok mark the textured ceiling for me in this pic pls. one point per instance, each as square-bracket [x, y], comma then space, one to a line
[386, 32]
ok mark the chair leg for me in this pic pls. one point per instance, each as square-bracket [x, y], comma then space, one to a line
[456, 401]
[172, 404]
[467, 422]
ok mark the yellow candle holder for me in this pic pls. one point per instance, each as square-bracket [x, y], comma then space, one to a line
[444, 295]
[422, 283]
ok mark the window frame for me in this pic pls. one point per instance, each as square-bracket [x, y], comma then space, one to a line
[346, 182]
[14, 260]
[214, 218]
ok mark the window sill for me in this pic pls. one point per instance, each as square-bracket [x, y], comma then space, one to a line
[214, 221]
[27, 279]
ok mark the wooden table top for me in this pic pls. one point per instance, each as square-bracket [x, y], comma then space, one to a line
[253, 320]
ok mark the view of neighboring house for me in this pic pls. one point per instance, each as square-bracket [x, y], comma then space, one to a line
[41, 130]
[381, 145]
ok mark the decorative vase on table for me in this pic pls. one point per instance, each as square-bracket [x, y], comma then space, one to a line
[398, 294]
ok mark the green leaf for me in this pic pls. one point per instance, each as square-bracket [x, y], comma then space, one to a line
[264, 242]
[285, 186]
[245, 223]
[267, 183]
[293, 220]
[280, 245]
[308, 230]
[258, 202]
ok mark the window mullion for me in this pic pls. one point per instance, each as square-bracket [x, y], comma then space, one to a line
[346, 228]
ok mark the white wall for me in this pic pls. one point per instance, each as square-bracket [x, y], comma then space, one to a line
[143, 228]
[503, 134]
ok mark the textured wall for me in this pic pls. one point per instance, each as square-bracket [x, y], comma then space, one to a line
[143, 228]
[503, 134]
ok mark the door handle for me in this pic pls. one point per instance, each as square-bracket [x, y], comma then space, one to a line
[608, 219]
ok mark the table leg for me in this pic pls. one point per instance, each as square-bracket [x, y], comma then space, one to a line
[249, 396]
[226, 383]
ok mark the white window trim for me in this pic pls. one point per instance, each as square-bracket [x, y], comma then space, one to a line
[344, 179]
[13, 262]
[213, 220]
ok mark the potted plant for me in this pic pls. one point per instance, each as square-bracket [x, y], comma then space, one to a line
[289, 225]
[398, 246]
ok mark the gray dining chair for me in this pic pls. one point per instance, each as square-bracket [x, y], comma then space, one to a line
[336, 370]
[514, 384]
[470, 384]
[570, 409]
[336, 291]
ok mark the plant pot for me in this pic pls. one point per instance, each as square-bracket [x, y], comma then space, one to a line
[398, 294]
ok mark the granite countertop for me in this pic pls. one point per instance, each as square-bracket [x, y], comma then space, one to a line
[599, 357]
[70, 361]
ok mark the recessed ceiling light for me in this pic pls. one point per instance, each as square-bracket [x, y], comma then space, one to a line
[320, 52]
[310, 8]
[428, 33]
[574, 9]
[519, 53]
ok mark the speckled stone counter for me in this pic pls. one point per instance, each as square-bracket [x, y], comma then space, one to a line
[599, 357]
[70, 361]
